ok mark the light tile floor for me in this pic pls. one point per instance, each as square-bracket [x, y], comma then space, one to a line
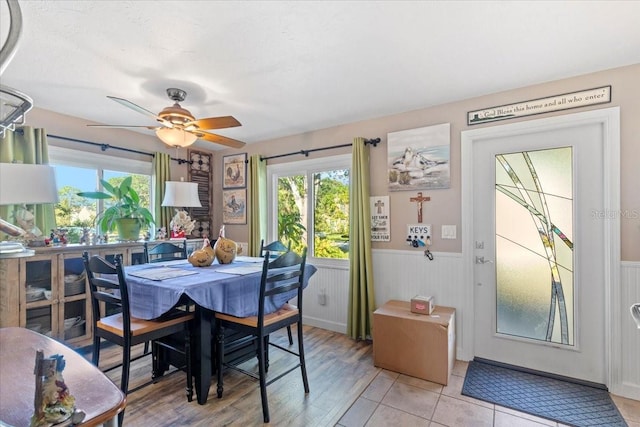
[394, 399]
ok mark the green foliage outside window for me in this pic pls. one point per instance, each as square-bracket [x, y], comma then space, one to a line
[330, 213]
[74, 212]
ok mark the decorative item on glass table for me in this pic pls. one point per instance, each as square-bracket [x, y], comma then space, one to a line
[53, 402]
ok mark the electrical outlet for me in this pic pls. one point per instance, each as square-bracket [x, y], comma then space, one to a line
[322, 299]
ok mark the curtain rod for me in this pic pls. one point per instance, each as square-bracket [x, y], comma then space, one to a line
[105, 147]
[373, 142]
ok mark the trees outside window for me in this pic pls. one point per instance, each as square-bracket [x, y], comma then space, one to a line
[77, 171]
[314, 216]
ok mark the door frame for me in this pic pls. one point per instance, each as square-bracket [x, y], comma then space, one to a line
[609, 119]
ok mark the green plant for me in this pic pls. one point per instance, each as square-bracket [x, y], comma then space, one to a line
[126, 205]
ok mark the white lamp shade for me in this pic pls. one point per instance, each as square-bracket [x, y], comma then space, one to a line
[181, 194]
[176, 137]
[28, 184]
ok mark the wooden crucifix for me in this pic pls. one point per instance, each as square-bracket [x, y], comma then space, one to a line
[419, 200]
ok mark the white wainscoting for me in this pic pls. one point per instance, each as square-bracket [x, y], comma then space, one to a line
[629, 373]
[404, 274]
[397, 275]
[333, 283]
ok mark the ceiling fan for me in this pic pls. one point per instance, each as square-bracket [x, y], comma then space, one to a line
[179, 128]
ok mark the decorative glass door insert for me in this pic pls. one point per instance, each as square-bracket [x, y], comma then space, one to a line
[534, 246]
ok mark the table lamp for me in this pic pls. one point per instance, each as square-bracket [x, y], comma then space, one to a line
[24, 184]
[181, 194]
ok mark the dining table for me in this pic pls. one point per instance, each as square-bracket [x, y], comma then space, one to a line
[95, 394]
[157, 288]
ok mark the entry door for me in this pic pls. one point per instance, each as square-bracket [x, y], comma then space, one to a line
[539, 247]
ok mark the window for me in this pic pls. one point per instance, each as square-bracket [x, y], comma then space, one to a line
[309, 205]
[78, 171]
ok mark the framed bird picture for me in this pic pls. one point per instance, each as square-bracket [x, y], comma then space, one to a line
[234, 170]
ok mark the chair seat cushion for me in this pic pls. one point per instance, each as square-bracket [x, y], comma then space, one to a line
[114, 323]
[284, 312]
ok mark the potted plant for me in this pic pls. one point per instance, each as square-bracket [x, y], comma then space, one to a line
[125, 215]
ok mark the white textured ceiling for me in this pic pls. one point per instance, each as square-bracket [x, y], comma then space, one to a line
[283, 68]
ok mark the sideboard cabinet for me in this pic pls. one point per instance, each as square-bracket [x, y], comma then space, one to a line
[48, 292]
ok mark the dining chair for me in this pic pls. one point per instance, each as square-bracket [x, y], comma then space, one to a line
[127, 331]
[284, 274]
[275, 249]
[165, 251]
[162, 252]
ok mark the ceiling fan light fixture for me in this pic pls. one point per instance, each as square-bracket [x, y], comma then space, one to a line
[176, 137]
[176, 114]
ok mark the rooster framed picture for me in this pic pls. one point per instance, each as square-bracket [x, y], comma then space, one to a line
[234, 170]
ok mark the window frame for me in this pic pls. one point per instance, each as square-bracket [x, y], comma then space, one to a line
[303, 167]
[100, 162]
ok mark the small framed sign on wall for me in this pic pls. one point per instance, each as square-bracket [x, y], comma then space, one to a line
[565, 101]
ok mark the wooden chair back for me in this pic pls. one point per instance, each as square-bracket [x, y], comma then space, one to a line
[108, 290]
[283, 274]
[275, 248]
[165, 251]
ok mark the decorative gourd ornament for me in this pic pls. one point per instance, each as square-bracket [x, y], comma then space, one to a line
[202, 257]
[225, 249]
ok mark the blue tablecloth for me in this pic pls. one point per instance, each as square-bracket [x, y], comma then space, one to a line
[210, 288]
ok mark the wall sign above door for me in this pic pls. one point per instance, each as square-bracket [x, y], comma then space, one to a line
[565, 101]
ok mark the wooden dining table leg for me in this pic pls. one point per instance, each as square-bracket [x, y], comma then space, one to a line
[203, 353]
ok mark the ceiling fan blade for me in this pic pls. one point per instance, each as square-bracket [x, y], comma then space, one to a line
[215, 123]
[122, 126]
[141, 110]
[218, 139]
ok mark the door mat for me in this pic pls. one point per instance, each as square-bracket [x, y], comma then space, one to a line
[545, 396]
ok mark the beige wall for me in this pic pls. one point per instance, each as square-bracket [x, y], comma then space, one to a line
[445, 205]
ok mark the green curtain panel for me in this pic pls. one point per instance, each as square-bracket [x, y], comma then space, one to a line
[258, 206]
[29, 146]
[161, 173]
[361, 290]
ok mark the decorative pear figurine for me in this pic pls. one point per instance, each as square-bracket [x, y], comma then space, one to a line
[203, 257]
[224, 248]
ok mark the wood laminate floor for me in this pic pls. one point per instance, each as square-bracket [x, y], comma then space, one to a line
[346, 390]
[339, 369]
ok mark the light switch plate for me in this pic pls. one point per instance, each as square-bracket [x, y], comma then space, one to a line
[449, 231]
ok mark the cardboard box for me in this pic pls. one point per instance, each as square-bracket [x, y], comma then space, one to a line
[422, 305]
[422, 346]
